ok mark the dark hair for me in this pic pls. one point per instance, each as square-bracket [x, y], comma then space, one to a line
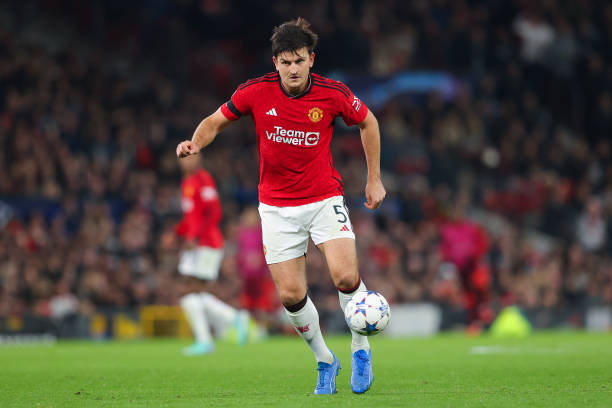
[293, 35]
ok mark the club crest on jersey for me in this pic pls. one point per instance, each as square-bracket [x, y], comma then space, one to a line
[315, 114]
[189, 191]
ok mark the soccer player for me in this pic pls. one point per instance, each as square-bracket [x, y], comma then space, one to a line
[300, 191]
[199, 263]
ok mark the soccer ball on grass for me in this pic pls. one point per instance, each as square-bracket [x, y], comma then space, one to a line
[367, 313]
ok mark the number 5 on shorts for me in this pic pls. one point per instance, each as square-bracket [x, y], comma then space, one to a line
[338, 210]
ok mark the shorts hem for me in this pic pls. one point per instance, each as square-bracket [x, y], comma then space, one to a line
[283, 259]
[197, 276]
[351, 236]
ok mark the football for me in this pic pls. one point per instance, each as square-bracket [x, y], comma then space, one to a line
[367, 313]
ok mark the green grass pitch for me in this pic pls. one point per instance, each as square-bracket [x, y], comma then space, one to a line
[545, 370]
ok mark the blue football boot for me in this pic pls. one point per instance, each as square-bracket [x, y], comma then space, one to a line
[199, 348]
[326, 383]
[361, 371]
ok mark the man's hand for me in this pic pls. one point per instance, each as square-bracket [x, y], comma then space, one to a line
[186, 148]
[375, 193]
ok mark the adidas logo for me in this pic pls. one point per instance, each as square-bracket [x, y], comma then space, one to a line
[271, 112]
[344, 228]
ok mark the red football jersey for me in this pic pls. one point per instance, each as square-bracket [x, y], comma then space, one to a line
[294, 135]
[201, 210]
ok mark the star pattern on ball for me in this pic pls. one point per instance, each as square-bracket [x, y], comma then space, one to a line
[371, 328]
[360, 310]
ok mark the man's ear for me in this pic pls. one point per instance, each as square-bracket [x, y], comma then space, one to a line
[312, 55]
[275, 63]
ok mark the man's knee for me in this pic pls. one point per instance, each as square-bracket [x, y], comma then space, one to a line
[290, 280]
[291, 294]
[346, 279]
[344, 273]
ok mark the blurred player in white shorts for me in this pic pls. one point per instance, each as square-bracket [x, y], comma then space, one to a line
[300, 191]
[200, 260]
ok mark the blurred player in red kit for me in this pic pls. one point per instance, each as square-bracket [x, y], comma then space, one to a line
[201, 259]
[301, 195]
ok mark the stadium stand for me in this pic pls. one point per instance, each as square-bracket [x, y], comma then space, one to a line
[500, 191]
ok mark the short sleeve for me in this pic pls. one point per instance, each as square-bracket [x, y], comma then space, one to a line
[352, 109]
[238, 105]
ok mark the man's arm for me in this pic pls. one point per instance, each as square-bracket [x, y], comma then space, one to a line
[370, 139]
[204, 134]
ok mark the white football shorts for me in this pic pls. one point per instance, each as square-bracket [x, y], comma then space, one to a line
[201, 262]
[286, 230]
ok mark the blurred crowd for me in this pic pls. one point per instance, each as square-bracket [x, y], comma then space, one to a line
[498, 195]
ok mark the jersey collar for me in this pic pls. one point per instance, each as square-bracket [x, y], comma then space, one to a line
[304, 92]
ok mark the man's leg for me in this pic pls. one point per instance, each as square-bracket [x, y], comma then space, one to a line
[223, 316]
[290, 280]
[341, 257]
[193, 307]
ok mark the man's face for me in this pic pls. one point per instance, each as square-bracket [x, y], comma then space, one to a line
[293, 68]
[189, 164]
